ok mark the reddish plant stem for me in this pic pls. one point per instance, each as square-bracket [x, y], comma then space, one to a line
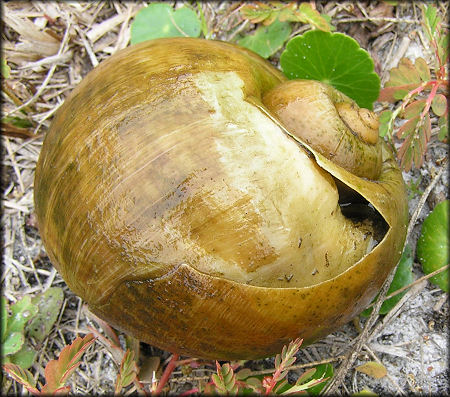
[429, 100]
[166, 374]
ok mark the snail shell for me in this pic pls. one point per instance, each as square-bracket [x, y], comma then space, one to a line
[179, 197]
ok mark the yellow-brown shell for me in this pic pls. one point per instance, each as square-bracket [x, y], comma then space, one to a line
[185, 213]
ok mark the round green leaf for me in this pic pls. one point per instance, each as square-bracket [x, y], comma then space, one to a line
[24, 357]
[439, 104]
[13, 343]
[267, 40]
[335, 59]
[432, 246]
[160, 20]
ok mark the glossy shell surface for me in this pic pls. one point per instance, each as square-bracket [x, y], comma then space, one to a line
[183, 211]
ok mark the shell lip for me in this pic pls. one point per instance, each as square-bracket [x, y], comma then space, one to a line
[177, 267]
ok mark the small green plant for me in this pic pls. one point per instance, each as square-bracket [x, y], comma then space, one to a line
[421, 96]
[269, 12]
[433, 244]
[276, 28]
[29, 317]
[57, 372]
[225, 381]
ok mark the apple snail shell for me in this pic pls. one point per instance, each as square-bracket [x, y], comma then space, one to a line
[199, 201]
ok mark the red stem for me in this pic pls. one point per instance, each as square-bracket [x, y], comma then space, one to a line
[166, 374]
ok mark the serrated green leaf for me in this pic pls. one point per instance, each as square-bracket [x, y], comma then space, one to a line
[24, 357]
[439, 104]
[335, 59]
[21, 313]
[267, 40]
[48, 304]
[13, 343]
[22, 376]
[58, 371]
[159, 20]
[433, 244]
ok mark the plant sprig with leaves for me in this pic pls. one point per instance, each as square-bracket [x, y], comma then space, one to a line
[227, 382]
[269, 12]
[419, 94]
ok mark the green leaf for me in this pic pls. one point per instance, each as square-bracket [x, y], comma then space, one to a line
[403, 277]
[312, 16]
[58, 371]
[22, 376]
[443, 127]
[423, 69]
[373, 369]
[323, 371]
[439, 105]
[17, 122]
[127, 372]
[5, 69]
[21, 312]
[335, 59]
[414, 108]
[24, 357]
[12, 343]
[433, 245]
[49, 304]
[4, 315]
[385, 122]
[267, 40]
[405, 73]
[431, 20]
[224, 379]
[160, 20]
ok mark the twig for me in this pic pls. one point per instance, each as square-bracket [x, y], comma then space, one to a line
[47, 77]
[376, 19]
[426, 277]
[365, 337]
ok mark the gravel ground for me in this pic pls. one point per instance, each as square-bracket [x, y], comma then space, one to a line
[411, 343]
